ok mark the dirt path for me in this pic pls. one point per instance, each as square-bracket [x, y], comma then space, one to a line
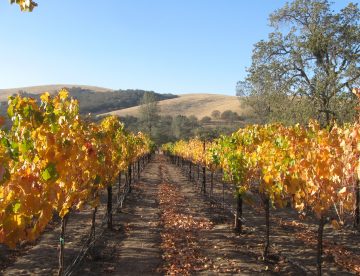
[167, 228]
[133, 247]
[218, 247]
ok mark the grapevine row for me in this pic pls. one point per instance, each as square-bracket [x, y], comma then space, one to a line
[314, 170]
[53, 161]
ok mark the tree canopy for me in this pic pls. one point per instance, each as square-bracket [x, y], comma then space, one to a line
[313, 54]
[149, 112]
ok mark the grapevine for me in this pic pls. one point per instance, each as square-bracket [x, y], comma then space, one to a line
[315, 170]
[38, 154]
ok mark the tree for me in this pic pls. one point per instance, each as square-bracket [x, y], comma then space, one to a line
[25, 5]
[130, 122]
[270, 105]
[193, 121]
[163, 132]
[229, 116]
[215, 114]
[149, 112]
[184, 127]
[315, 57]
[243, 89]
[208, 133]
[205, 120]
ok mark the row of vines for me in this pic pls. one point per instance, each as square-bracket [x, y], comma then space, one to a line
[53, 161]
[314, 170]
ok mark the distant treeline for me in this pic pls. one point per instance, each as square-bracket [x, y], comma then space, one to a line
[97, 103]
[101, 102]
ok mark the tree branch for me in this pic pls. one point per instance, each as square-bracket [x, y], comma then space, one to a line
[348, 83]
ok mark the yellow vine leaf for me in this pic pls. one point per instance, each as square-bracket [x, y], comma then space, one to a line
[63, 94]
[45, 97]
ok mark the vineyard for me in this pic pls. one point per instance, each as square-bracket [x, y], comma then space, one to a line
[313, 170]
[134, 142]
[266, 199]
[53, 162]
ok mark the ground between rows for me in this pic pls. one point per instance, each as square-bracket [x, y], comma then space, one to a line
[167, 228]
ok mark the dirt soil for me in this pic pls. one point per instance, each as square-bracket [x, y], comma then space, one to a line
[166, 227]
[292, 239]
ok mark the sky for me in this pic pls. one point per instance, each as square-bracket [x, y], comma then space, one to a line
[167, 46]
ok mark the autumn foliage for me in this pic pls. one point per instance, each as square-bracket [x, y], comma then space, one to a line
[312, 168]
[53, 161]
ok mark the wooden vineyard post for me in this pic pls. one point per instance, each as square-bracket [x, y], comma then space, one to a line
[62, 244]
[211, 183]
[204, 171]
[223, 194]
[134, 171]
[109, 207]
[138, 168]
[198, 172]
[126, 179]
[190, 170]
[92, 232]
[267, 223]
[129, 177]
[119, 186]
[357, 203]
[238, 215]
[320, 246]
[203, 188]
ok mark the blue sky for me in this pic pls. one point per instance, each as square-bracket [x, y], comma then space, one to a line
[168, 46]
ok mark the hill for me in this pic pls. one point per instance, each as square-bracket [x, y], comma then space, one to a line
[92, 99]
[5, 93]
[199, 105]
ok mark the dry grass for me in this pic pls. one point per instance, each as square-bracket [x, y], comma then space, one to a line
[199, 105]
[5, 93]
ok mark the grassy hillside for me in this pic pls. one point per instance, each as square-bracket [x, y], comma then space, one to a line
[92, 99]
[199, 105]
[5, 93]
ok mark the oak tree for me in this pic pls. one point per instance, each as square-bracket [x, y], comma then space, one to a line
[313, 53]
